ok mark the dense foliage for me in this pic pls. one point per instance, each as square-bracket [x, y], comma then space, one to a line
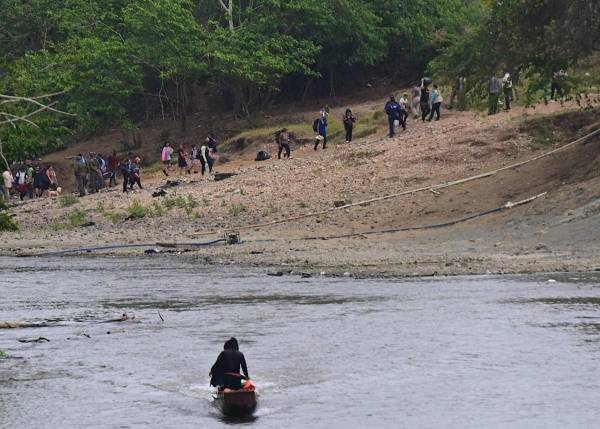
[527, 38]
[123, 61]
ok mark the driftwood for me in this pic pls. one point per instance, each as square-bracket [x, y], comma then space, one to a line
[124, 318]
[20, 324]
[17, 324]
[34, 340]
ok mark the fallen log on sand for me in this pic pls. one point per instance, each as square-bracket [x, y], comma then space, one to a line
[34, 340]
[17, 324]
[124, 318]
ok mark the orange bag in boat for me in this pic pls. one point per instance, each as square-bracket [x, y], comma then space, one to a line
[248, 385]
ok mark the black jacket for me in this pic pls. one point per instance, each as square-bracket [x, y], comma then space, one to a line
[229, 361]
[392, 108]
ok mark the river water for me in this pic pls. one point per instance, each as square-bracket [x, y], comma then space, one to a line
[466, 352]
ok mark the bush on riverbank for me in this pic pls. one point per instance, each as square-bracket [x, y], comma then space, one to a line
[7, 223]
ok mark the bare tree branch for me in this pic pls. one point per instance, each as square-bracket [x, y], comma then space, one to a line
[34, 101]
[15, 119]
[29, 115]
[12, 118]
[15, 98]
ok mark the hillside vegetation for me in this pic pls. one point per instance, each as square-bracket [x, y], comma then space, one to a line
[119, 63]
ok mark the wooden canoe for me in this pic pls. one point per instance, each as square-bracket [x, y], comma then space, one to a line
[236, 403]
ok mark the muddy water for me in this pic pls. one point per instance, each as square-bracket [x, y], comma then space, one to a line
[453, 353]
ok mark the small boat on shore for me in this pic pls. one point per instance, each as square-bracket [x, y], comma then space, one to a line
[237, 403]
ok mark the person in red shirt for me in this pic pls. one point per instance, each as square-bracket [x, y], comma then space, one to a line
[182, 159]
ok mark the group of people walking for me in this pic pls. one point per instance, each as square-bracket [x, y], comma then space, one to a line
[198, 159]
[92, 172]
[29, 180]
[424, 100]
[321, 123]
[495, 87]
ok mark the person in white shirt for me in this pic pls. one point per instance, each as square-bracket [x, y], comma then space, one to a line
[404, 103]
[205, 159]
[8, 179]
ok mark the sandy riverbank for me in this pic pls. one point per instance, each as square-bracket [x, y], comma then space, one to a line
[558, 232]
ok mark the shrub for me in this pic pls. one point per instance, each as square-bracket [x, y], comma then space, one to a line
[188, 203]
[137, 210]
[157, 209]
[114, 217]
[76, 218]
[7, 223]
[236, 209]
[68, 200]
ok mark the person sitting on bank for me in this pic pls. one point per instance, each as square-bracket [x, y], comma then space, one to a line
[225, 373]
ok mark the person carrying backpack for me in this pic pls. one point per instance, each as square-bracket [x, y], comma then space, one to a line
[29, 181]
[21, 182]
[320, 127]
[94, 173]
[436, 103]
[206, 160]
[392, 109]
[101, 171]
[113, 166]
[425, 109]
[127, 171]
[508, 91]
[80, 168]
[494, 89]
[134, 177]
[416, 100]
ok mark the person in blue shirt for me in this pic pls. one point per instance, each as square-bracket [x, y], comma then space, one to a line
[322, 128]
[436, 103]
[392, 109]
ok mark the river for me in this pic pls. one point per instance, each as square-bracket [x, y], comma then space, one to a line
[465, 352]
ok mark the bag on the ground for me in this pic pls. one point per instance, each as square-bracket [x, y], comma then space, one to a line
[316, 125]
[262, 156]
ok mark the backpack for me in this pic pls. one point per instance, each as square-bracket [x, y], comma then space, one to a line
[262, 156]
[316, 125]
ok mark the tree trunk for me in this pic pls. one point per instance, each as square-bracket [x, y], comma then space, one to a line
[229, 11]
[183, 106]
[309, 83]
[3, 157]
[331, 83]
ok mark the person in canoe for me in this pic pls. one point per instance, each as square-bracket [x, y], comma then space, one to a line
[225, 373]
